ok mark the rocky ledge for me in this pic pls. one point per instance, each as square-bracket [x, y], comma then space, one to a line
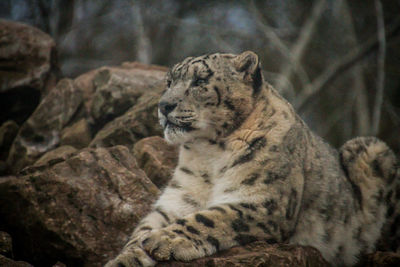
[83, 164]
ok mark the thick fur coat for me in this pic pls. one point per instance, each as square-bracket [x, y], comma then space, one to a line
[250, 169]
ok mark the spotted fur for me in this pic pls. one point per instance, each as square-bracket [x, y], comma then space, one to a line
[250, 169]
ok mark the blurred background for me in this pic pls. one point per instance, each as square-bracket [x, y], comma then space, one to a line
[336, 61]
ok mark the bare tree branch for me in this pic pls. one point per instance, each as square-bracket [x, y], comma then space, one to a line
[341, 65]
[393, 114]
[361, 108]
[380, 80]
[277, 42]
[362, 119]
[338, 114]
[212, 28]
[143, 52]
[219, 40]
[305, 35]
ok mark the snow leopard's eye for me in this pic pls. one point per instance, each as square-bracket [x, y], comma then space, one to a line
[197, 81]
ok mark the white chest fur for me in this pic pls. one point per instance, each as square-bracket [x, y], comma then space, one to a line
[197, 178]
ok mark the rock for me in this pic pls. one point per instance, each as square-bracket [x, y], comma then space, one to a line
[3, 168]
[28, 67]
[108, 92]
[59, 264]
[54, 156]
[6, 262]
[41, 132]
[142, 66]
[105, 93]
[259, 254]
[381, 259]
[82, 209]
[28, 57]
[8, 131]
[6, 252]
[77, 135]
[84, 83]
[18, 104]
[119, 89]
[138, 122]
[114, 76]
[5, 244]
[157, 158]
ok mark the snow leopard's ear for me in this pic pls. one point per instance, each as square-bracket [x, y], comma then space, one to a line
[249, 63]
[246, 61]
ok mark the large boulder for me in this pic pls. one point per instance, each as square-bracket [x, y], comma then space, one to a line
[28, 57]
[380, 259]
[7, 262]
[41, 132]
[100, 100]
[6, 253]
[138, 122]
[113, 76]
[115, 89]
[56, 155]
[79, 211]
[118, 89]
[156, 158]
[28, 69]
[259, 254]
[5, 244]
[8, 131]
[77, 135]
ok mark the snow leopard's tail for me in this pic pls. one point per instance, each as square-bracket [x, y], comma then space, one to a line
[374, 170]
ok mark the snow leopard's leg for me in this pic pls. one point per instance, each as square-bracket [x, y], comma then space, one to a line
[166, 210]
[220, 227]
[132, 253]
[374, 172]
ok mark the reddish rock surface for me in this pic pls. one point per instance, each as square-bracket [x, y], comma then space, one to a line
[86, 82]
[138, 122]
[77, 135]
[258, 254]
[28, 57]
[41, 132]
[56, 155]
[118, 89]
[157, 158]
[28, 69]
[79, 211]
[76, 110]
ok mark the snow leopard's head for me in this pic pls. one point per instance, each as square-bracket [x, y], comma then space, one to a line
[209, 96]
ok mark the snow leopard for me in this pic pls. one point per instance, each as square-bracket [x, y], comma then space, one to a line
[250, 169]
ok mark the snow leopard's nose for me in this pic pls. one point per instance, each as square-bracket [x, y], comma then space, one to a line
[166, 108]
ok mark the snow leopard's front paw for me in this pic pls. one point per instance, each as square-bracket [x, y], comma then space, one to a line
[167, 245]
[132, 257]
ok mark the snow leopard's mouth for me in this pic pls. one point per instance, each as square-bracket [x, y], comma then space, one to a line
[181, 126]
